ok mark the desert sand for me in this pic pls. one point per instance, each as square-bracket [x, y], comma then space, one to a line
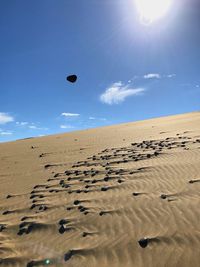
[120, 196]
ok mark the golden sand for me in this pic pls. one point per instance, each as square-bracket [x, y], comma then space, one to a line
[86, 198]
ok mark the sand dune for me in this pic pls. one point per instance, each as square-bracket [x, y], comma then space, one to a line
[125, 195]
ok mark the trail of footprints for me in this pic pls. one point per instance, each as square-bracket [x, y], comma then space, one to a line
[99, 173]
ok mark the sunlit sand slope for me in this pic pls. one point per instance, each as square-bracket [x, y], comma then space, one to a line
[126, 195]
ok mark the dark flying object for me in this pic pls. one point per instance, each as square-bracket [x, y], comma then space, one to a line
[71, 78]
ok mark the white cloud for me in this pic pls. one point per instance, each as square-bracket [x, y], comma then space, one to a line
[97, 119]
[5, 118]
[30, 125]
[158, 76]
[70, 114]
[23, 123]
[66, 127]
[101, 119]
[171, 75]
[118, 92]
[5, 133]
[152, 76]
[197, 86]
[33, 127]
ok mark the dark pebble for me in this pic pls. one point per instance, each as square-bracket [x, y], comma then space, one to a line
[163, 196]
[76, 202]
[68, 255]
[143, 242]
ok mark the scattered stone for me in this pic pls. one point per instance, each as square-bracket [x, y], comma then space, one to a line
[163, 196]
[104, 188]
[68, 255]
[76, 202]
[6, 212]
[135, 194]
[143, 242]
[2, 227]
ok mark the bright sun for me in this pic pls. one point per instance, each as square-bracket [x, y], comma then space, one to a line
[151, 10]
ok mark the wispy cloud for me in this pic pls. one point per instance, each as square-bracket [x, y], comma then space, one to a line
[97, 119]
[5, 118]
[171, 75]
[70, 114]
[158, 76]
[34, 127]
[152, 76]
[5, 133]
[66, 126]
[23, 123]
[118, 92]
[30, 125]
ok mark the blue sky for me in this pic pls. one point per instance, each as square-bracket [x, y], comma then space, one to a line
[127, 70]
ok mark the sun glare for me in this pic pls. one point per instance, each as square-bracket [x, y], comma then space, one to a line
[152, 10]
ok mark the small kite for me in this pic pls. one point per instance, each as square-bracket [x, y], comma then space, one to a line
[71, 78]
